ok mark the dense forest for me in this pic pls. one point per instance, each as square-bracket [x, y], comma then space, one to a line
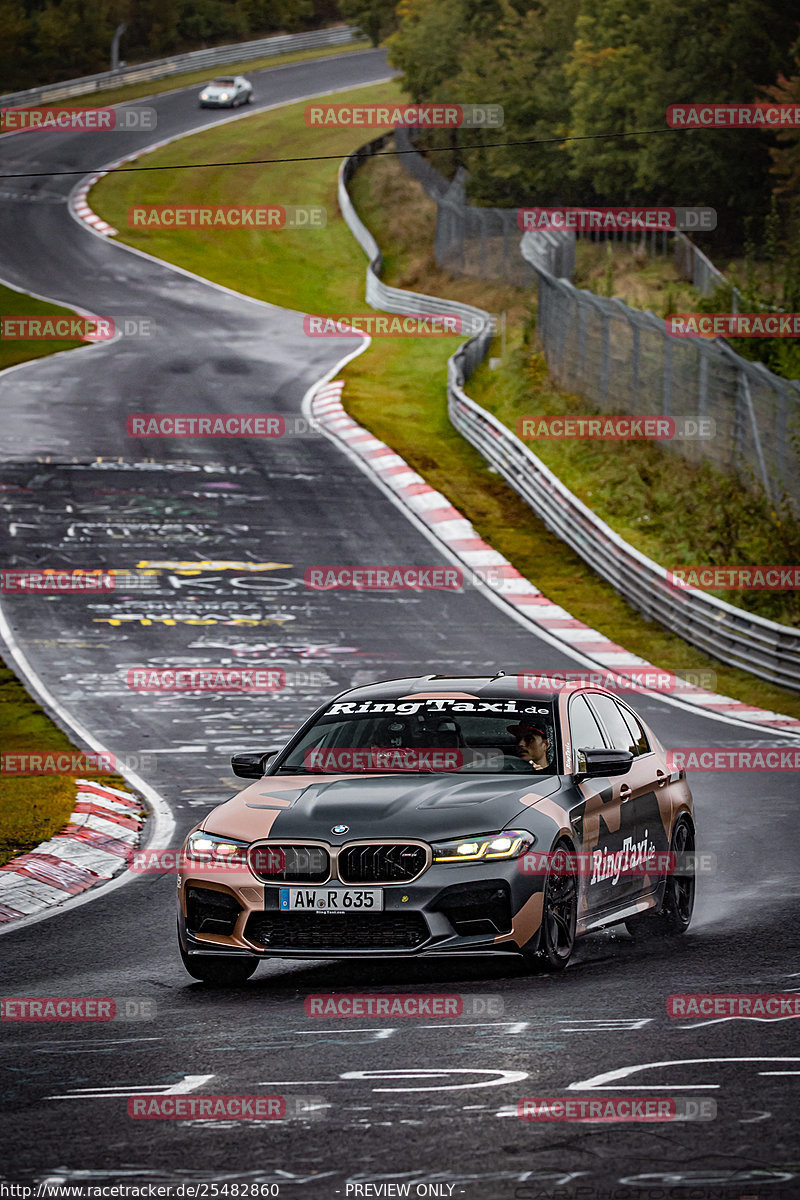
[571, 71]
[42, 41]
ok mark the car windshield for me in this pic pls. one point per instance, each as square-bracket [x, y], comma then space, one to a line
[428, 736]
[223, 83]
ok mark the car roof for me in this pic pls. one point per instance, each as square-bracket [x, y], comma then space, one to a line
[487, 687]
[498, 686]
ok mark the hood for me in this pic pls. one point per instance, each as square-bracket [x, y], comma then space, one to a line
[431, 807]
[215, 90]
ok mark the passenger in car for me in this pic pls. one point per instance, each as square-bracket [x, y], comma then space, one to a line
[533, 744]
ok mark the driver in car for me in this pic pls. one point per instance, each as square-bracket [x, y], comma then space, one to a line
[533, 744]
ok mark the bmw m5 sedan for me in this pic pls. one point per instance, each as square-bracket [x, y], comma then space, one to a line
[436, 816]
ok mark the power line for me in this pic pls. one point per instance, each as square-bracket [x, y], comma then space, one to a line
[259, 162]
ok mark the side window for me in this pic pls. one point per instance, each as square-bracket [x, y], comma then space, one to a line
[638, 735]
[584, 729]
[616, 726]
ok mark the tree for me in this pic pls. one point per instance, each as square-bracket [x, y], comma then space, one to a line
[376, 18]
[786, 155]
[632, 60]
[16, 31]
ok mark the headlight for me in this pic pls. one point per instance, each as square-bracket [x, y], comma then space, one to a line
[217, 851]
[484, 847]
[224, 96]
[204, 96]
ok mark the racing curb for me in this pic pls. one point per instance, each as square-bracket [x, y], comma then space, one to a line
[93, 847]
[79, 204]
[449, 526]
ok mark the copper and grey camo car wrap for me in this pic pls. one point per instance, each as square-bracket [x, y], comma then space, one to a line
[583, 813]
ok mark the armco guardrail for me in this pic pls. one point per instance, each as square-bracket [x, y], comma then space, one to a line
[765, 648]
[742, 639]
[396, 300]
[195, 60]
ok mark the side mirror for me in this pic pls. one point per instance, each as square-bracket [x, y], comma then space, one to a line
[251, 766]
[596, 764]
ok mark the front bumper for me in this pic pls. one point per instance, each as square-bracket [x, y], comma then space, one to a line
[449, 909]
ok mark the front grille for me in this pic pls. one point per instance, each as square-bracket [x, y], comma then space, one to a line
[339, 931]
[289, 864]
[210, 911]
[379, 862]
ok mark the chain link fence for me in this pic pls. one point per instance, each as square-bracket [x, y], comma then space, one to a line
[623, 359]
[480, 242]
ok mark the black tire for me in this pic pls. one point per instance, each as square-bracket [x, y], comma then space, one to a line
[219, 970]
[672, 919]
[551, 948]
[249, 99]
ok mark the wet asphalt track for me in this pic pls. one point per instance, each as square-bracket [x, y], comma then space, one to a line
[298, 502]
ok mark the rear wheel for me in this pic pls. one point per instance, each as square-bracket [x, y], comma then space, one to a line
[673, 917]
[555, 940]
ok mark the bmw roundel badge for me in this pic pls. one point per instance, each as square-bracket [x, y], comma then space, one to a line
[341, 829]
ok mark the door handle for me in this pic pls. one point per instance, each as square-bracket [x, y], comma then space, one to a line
[624, 793]
[662, 777]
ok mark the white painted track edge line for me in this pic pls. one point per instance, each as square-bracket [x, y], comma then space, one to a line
[158, 829]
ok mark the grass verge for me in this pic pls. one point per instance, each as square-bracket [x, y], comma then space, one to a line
[32, 807]
[396, 389]
[15, 304]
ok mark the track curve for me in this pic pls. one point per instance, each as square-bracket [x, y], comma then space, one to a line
[76, 494]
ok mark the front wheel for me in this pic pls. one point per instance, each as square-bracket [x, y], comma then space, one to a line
[555, 940]
[220, 970]
[673, 917]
